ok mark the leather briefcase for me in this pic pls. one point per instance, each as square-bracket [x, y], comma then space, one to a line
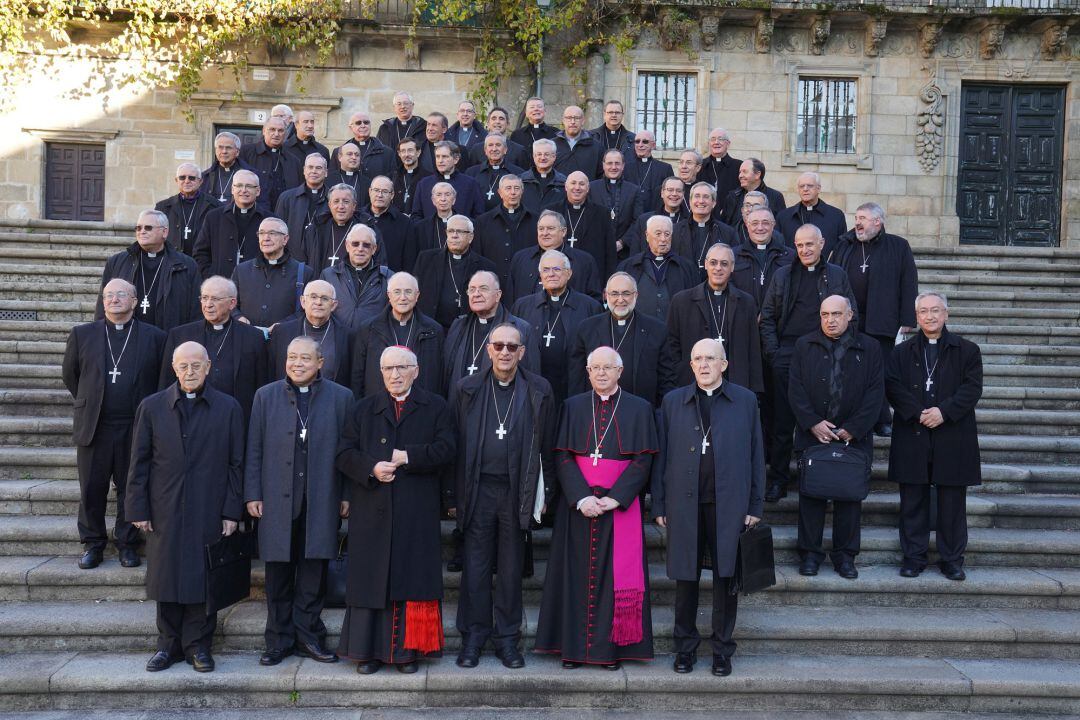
[837, 471]
[755, 567]
[337, 573]
[228, 570]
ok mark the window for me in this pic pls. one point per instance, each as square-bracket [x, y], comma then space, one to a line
[826, 115]
[667, 105]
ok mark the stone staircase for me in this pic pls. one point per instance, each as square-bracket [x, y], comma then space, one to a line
[1006, 640]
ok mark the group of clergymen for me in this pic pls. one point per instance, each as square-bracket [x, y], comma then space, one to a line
[416, 331]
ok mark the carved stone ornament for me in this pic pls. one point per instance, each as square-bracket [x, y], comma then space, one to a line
[710, 28]
[819, 34]
[875, 34]
[1053, 40]
[929, 138]
[763, 35]
[991, 39]
[929, 34]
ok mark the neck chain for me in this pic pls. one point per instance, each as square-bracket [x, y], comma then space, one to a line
[333, 255]
[596, 433]
[618, 139]
[865, 257]
[476, 350]
[503, 420]
[303, 422]
[551, 327]
[573, 225]
[223, 186]
[304, 325]
[145, 304]
[223, 339]
[719, 321]
[116, 360]
[930, 370]
[625, 332]
[453, 280]
[701, 423]
[394, 327]
[189, 216]
[704, 245]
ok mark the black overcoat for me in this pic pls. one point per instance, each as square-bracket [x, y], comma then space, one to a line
[432, 270]
[298, 207]
[391, 131]
[583, 157]
[592, 232]
[318, 246]
[892, 280]
[393, 229]
[722, 174]
[515, 155]
[952, 448]
[375, 335]
[630, 206]
[375, 158]
[263, 160]
[780, 299]
[648, 359]
[682, 240]
[525, 273]
[178, 211]
[218, 242]
[739, 467]
[267, 294]
[648, 175]
[496, 239]
[689, 320]
[180, 284]
[488, 179]
[300, 149]
[634, 241]
[752, 277]
[185, 478]
[536, 198]
[277, 350]
[394, 530]
[681, 274]
[828, 219]
[456, 365]
[355, 307]
[525, 135]
[732, 203]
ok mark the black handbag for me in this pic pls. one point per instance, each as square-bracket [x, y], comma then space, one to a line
[755, 567]
[337, 572]
[228, 570]
[837, 471]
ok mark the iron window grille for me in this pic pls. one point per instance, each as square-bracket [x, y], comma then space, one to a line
[667, 105]
[826, 115]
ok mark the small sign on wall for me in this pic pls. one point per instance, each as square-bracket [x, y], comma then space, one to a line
[258, 116]
[184, 155]
[260, 74]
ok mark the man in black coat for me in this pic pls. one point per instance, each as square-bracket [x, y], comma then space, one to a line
[349, 173]
[588, 224]
[659, 273]
[543, 185]
[186, 209]
[360, 283]
[706, 498]
[812, 209]
[717, 309]
[302, 142]
[791, 309]
[757, 259]
[533, 130]
[498, 123]
[934, 381]
[648, 359]
[277, 169]
[506, 430]
[881, 269]
[492, 169]
[751, 177]
[185, 491]
[318, 322]
[430, 232]
[401, 325]
[237, 351]
[503, 231]
[576, 150]
[229, 234]
[166, 280]
[391, 225]
[298, 206]
[444, 273]
[672, 197]
[268, 288]
[468, 198]
[407, 174]
[696, 234]
[647, 172]
[395, 447]
[294, 489]
[835, 391]
[554, 313]
[404, 124]
[375, 157]
[720, 169]
[613, 135]
[109, 366]
[525, 276]
[467, 132]
[323, 244]
[218, 178]
[620, 198]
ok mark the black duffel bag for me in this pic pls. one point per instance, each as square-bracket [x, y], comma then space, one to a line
[837, 471]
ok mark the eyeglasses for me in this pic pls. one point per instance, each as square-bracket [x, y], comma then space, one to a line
[184, 367]
[324, 299]
[482, 290]
[399, 369]
[187, 177]
[500, 346]
[619, 295]
[211, 299]
[558, 269]
[703, 359]
[603, 368]
[245, 186]
[642, 142]
[362, 244]
[923, 311]
[380, 191]
[455, 231]
[148, 228]
[118, 295]
[403, 292]
[270, 233]
[361, 122]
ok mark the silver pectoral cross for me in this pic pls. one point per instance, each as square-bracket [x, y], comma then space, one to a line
[720, 336]
[490, 194]
[333, 259]
[501, 432]
[548, 338]
[864, 265]
[704, 443]
[571, 240]
[145, 304]
[612, 213]
[595, 455]
[187, 232]
[114, 372]
[763, 278]
[471, 369]
[929, 382]
[406, 198]
[303, 434]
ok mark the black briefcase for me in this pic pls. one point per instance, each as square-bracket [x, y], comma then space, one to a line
[837, 471]
[228, 570]
[337, 572]
[755, 568]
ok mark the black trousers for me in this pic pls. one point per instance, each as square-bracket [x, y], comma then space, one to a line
[725, 605]
[492, 536]
[783, 419]
[184, 628]
[951, 522]
[101, 463]
[887, 344]
[295, 591]
[846, 537]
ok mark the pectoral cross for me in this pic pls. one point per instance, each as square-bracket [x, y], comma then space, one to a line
[471, 369]
[929, 382]
[114, 372]
[864, 265]
[187, 232]
[571, 240]
[501, 432]
[762, 278]
[221, 198]
[333, 258]
[548, 338]
[490, 194]
[704, 444]
[406, 198]
[612, 213]
[145, 304]
[720, 336]
[303, 434]
[595, 455]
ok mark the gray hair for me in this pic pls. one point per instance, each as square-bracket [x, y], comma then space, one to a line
[443, 185]
[401, 349]
[225, 282]
[557, 215]
[288, 110]
[757, 194]
[507, 178]
[192, 165]
[932, 293]
[874, 209]
[359, 228]
[317, 156]
[466, 218]
[622, 275]
[308, 340]
[697, 156]
[702, 183]
[498, 136]
[340, 187]
[555, 254]
[549, 144]
[663, 219]
[162, 218]
[812, 175]
[509, 326]
[228, 136]
[618, 357]
[771, 215]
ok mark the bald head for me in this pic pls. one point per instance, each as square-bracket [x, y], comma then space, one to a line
[191, 365]
[708, 362]
[118, 298]
[604, 366]
[403, 291]
[836, 315]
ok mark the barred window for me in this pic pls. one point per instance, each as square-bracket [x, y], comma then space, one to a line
[826, 115]
[667, 105]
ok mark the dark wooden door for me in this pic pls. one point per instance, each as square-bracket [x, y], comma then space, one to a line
[1009, 180]
[248, 134]
[74, 181]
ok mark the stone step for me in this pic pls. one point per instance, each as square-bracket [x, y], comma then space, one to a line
[27, 330]
[1063, 376]
[999, 397]
[951, 282]
[45, 272]
[72, 311]
[983, 332]
[778, 683]
[997, 421]
[79, 227]
[1056, 316]
[1027, 355]
[61, 255]
[971, 267]
[54, 463]
[36, 352]
[489, 713]
[61, 240]
[19, 376]
[1013, 448]
[55, 289]
[920, 632]
[35, 402]
[29, 431]
[971, 298]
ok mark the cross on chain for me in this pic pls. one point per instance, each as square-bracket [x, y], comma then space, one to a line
[333, 258]
[501, 432]
[595, 455]
[145, 304]
[303, 434]
[471, 369]
[114, 372]
[864, 265]
[704, 444]
[490, 194]
[187, 232]
[929, 382]
[571, 240]
[548, 338]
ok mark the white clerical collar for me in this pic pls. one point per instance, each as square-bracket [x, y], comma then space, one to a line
[303, 388]
[605, 398]
[810, 207]
[709, 393]
[932, 341]
[350, 173]
[719, 292]
[243, 210]
[673, 214]
[120, 326]
[700, 223]
[445, 219]
[536, 127]
[190, 396]
[273, 262]
[644, 159]
[613, 180]
[273, 149]
[621, 322]
[456, 257]
[660, 258]
[404, 322]
[495, 167]
[555, 298]
[761, 246]
[511, 210]
[543, 174]
[361, 143]
[226, 169]
[151, 254]
[401, 398]
[314, 191]
[812, 268]
[576, 207]
[505, 384]
[219, 327]
[483, 321]
[446, 176]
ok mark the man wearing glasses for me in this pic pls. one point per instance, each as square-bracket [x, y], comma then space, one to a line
[551, 235]
[404, 124]
[237, 351]
[613, 135]
[269, 287]
[166, 280]
[445, 272]
[229, 234]
[278, 170]
[375, 157]
[109, 366]
[316, 322]
[720, 169]
[187, 208]
[645, 171]
[392, 225]
[360, 283]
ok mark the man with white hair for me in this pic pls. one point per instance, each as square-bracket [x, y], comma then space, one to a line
[503, 231]
[404, 124]
[285, 114]
[187, 208]
[468, 199]
[492, 169]
[278, 170]
[525, 275]
[544, 185]
[720, 169]
[217, 179]
[430, 231]
[360, 283]
[230, 233]
[595, 608]
[812, 209]
[269, 286]
[658, 271]
[375, 157]
[317, 322]
[299, 206]
[444, 272]
[645, 171]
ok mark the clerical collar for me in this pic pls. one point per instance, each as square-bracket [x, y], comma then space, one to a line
[605, 398]
[660, 258]
[761, 246]
[644, 159]
[275, 261]
[699, 223]
[303, 388]
[411, 169]
[493, 167]
[542, 174]
[315, 191]
[456, 257]
[537, 127]
[506, 384]
[243, 210]
[576, 207]
[709, 393]
[810, 208]
[273, 149]
[555, 298]
[811, 268]
[445, 219]
[151, 254]
[361, 143]
[350, 173]
[191, 396]
[122, 326]
[217, 326]
[932, 341]
[721, 291]
[447, 176]
[613, 180]
[401, 398]
[482, 321]
[510, 211]
[621, 322]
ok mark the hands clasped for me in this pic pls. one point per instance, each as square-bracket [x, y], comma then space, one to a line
[595, 507]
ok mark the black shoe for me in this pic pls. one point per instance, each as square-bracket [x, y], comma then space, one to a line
[511, 657]
[808, 567]
[407, 668]
[910, 571]
[161, 661]
[201, 661]
[369, 668]
[847, 570]
[953, 571]
[570, 665]
[469, 657]
[129, 558]
[612, 666]
[453, 565]
[275, 656]
[884, 430]
[90, 559]
[775, 492]
[315, 652]
[684, 663]
[721, 666]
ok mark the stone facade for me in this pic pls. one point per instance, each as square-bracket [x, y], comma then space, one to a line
[909, 73]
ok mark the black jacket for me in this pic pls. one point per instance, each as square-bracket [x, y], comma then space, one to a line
[496, 239]
[689, 319]
[432, 270]
[488, 180]
[393, 229]
[300, 150]
[649, 361]
[298, 207]
[375, 158]
[375, 335]
[621, 139]
[584, 156]
[634, 241]
[525, 273]
[515, 155]
[217, 184]
[536, 198]
[277, 350]
[576, 308]
[524, 137]
[182, 234]
[680, 275]
[263, 161]
[391, 131]
[630, 207]
[589, 230]
[779, 300]
[219, 240]
[179, 280]
[648, 176]
[828, 219]
[892, 280]
[722, 174]
[682, 242]
[732, 213]
[751, 276]
[355, 307]
[457, 339]
[267, 294]
[317, 245]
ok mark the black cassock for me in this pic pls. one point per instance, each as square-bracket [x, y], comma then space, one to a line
[578, 609]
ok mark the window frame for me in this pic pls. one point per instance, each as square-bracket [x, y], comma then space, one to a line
[862, 74]
[701, 96]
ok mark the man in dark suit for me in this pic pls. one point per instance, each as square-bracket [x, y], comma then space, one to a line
[490, 171]
[109, 366]
[534, 129]
[302, 142]
[620, 198]
[498, 123]
[613, 135]
[187, 208]
[645, 171]
[229, 234]
[658, 271]
[278, 170]
[317, 321]
[298, 206]
[812, 209]
[720, 169]
[751, 177]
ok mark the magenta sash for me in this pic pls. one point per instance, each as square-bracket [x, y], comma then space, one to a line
[627, 552]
